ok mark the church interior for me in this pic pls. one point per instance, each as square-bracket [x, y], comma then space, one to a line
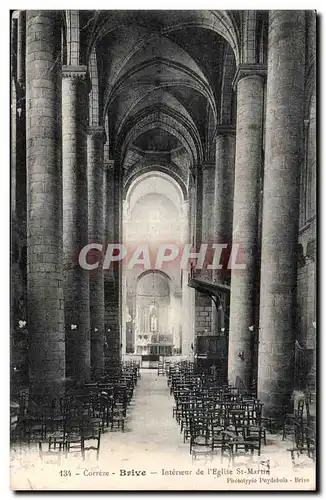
[139, 129]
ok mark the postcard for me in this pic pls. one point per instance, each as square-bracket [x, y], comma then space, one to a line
[163, 250]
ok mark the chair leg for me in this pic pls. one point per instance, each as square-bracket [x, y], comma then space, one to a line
[98, 448]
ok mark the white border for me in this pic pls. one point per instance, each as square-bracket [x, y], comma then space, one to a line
[5, 178]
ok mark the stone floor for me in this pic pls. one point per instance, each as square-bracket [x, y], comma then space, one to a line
[153, 447]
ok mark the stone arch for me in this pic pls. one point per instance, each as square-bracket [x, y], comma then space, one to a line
[151, 271]
[163, 118]
[221, 22]
[150, 170]
[165, 98]
[189, 79]
[170, 189]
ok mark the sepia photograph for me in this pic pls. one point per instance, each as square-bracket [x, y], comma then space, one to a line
[163, 269]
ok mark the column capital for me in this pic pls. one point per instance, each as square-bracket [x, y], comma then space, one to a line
[109, 165]
[97, 132]
[248, 70]
[79, 73]
[224, 130]
[207, 165]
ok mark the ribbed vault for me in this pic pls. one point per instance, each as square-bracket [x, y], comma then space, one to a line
[162, 78]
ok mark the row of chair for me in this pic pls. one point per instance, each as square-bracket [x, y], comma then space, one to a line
[213, 417]
[66, 424]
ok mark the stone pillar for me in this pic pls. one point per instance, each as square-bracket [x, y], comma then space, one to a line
[188, 320]
[18, 173]
[95, 142]
[44, 239]
[224, 185]
[187, 332]
[118, 237]
[208, 172]
[111, 296]
[284, 141]
[185, 220]
[198, 188]
[223, 208]
[192, 199]
[249, 128]
[21, 34]
[204, 234]
[75, 220]
[124, 317]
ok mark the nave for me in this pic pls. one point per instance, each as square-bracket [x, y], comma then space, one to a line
[161, 133]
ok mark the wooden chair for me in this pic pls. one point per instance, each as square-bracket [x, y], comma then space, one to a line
[253, 437]
[33, 428]
[308, 448]
[290, 420]
[200, 440]
[117, 418]
[217, 428]
[91, 433]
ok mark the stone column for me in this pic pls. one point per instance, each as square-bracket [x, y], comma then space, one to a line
[95, 142]
[187, 320]
[208, 172]
[224, 185]
[75, 220]
[192, 200]
[198, 188]
[284, 142]
[223, 207]
[249, 129]
[111, 297]
[44, 239]
[21, 33]
[187, 335]
[118, 237]
[185, 220]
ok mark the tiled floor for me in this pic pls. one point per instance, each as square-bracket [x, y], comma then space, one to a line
[151, 442]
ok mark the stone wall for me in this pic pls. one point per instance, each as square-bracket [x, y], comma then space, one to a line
[203, 315]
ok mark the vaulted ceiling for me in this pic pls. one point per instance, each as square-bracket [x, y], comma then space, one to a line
[164, 82]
